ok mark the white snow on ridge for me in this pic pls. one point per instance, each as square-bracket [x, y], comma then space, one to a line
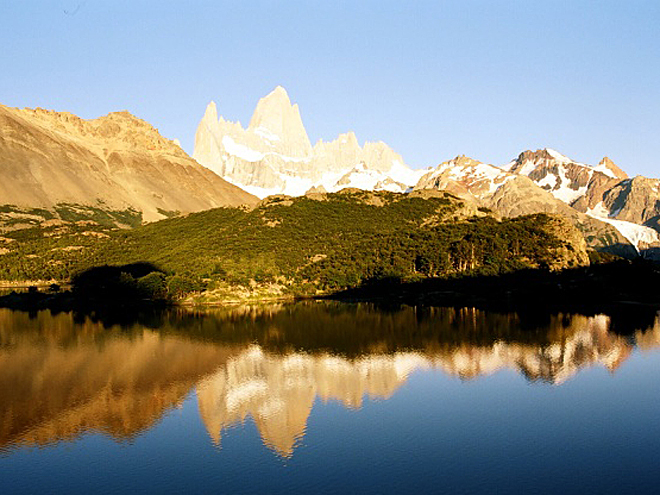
[400, 173]
[599, 211]
[558, 156]
[566, 193]
[636, 234]
[295, 186]
[473, 173]
[259, 192]
[249, 155]
[266, 134]
[603, 170]
[549, 180]
[507, 167]
[359, 176]
[474, 170]
[241, 151]
[527, 168]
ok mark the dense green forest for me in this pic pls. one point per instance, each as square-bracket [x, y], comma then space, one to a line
[303, 245]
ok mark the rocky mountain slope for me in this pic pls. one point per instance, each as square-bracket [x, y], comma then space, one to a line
[603, 192]
[510, 195]
[117, 162]
[273, 155]
[565, 179]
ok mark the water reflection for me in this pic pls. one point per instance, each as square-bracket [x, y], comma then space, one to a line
[63, 375]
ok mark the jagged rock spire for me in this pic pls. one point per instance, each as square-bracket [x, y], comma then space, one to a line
[275, 114]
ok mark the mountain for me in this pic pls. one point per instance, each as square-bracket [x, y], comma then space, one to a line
[51, 160]
[273, 155]
[510, 195]
[562, 177]
[603, 192]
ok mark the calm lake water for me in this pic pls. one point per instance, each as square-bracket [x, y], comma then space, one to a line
[329, 398]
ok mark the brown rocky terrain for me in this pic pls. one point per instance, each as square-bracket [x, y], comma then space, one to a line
[565, 179]
[603, 192]
[510, 195]
[115, 162]
[635, 200]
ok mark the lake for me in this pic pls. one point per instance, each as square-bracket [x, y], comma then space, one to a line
[323, 397]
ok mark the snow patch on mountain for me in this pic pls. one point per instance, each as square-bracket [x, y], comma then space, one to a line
[599, 211]
[637, 235]
[562, 189]
[241, 151]
[549, 180]
[266, 134]
[402, 173]
[558, 156]
[604, 170]
[479, 179]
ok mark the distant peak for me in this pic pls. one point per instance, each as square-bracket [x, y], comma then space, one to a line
[612, 167]
[275, 113]
[278, 94]
[211, 113]
[557, 155]
[464, 160]
[543, 154]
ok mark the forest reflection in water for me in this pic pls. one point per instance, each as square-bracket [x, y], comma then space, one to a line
[65, 374]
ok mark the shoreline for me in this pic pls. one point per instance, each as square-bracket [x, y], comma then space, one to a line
[66, 301]
[604, 288]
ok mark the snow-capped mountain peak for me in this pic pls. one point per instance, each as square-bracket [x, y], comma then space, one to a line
[273, 155]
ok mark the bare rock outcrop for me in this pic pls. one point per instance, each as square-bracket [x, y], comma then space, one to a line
[117, 161]
[510, 195]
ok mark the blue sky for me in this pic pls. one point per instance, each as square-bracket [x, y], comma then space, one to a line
[487, 78]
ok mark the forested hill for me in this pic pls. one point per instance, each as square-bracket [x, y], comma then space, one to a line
[302, 245]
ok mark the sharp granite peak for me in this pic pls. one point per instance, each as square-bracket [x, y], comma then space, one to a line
[274, 155]
[275, 117]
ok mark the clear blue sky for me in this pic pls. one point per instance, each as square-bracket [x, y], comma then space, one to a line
[486, 78]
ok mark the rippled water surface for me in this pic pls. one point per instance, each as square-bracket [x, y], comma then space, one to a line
[329, 398]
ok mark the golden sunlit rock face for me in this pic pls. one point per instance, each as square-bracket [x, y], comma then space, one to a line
[117, 161]
[61, 378]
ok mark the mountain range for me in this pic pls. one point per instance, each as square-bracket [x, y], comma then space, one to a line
[273, 155]
[54, 165]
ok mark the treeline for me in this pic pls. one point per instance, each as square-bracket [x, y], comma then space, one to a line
[302, 244]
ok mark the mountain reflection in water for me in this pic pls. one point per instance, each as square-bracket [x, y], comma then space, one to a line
[65, 374]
